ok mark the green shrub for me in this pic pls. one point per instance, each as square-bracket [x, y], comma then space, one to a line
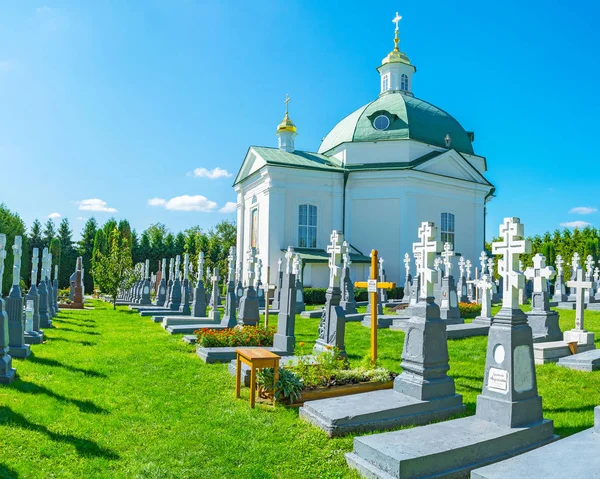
[246, 336]
[314, 295]
[289, 386]
[469, 310]
[317, 295]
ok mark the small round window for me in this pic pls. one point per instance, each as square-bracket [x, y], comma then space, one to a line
[382, 122]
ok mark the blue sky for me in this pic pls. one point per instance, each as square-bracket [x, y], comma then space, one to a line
[119, 102]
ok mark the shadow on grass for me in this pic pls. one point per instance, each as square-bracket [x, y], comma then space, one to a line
[53, 362]
[32, 388]
[84, 447]
[83, 343]
[74, 323]
[7, 473]
[91, 333]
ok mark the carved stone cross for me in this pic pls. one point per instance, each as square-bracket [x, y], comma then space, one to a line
[580, 286]
[540, 273]
[483, 261]
[447, 255]
[425, 251]
[589, 263]
[559, 264]
[335, 250]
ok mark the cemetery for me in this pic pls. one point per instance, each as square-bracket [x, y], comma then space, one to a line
[365, 315]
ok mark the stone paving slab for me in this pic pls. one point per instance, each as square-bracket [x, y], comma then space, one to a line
[468, 330]
[444, 449]
[181, 320]
[190, 328]
[586, 361]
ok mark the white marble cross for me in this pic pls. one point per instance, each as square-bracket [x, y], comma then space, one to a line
[215, 276]
[231, 265]
[575, 262]
[407, 263]
[147, 269]
[483, 261]
[279, 265]
[447, 255]
[485, 285]
[44, 264]
[589, 263]
[559, 264]
[34, 265]
[540, 273]
[163, 268]
[347, 261]
[461, 266]
[511, 245]
[17, 252]
[177, 267]
[289, 259]
[580, 286]
[490, 267]
[259, 267]
[335, 250]
[251, 253]
[296, 265]
[468, 268]
[596, 274]
[425, 251]
[200, 264]
[396, 20]
[186, 266]
[2, 255]
[171, 268]
[437, 262]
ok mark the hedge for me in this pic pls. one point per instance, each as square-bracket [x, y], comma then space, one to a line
[317, 295]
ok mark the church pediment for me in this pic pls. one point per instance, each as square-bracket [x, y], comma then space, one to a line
[252, 163]
[452, 165]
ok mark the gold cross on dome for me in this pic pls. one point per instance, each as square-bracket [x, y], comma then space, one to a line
[396, 20]
[287, 100]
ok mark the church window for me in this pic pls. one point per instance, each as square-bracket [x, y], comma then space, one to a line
[404, 82]
[254, 228]
[385, 83]
[447, 228]
[382, 122]
[307, 226]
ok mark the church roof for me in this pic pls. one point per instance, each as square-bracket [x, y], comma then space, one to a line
[312, 255]
[409, 118]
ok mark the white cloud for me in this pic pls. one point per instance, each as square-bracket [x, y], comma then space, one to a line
[54, 216]
[81, 218]
[575, 224]
[211, 174]
[185, 203]
[157, 202]
[230, 207]
[582, 210]
[95, 204]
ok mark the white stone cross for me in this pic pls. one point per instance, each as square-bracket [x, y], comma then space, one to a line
[171, 268]
[44, 264]
[559, 264]
[447, 255]
[575, 262]
[335, 250]
[49, 267]
[512, 245]
[396, 20]
[2, 255]
[580, 286]
[200, 265]
[589, 263]
[437, 262]
[17, 252]
[163, 268]
[259, 267]
[289, 259]
[296, 265]
[250, 261]
[34, 265]
[407, 263]
[490, 267]
[596, 274]
[215, 276]
[231, 265]
[468, 268]
[279, 265]
[186, 266]
[461, 266]
[483, 261]
[485, 285]
[540, 273]
[425, 251]
[347, 261]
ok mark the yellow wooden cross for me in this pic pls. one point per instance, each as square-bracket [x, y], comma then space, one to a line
[373, 285]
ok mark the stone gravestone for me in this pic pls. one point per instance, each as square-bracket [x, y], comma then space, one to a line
[45, 321]
[7, 372]
[145, 297]
[248, 314]
[589, 293]
[449, 310]
[348, 302]
[35, 335]
[574, 268]
[170, 281]
[437, 287]
[199, 303]
[279, 284]
[260, 291]
[174, 302]
[508, 419]
[185, 308]
[597, 284]
[333, 321]
[490, 269]
[215, 315]
[560, 295]
[407, 280]
[542, 320]
[469, 281]
[51, 310]
[485, 287]
[78, 291]
[423, 392]
[229, 318]
[285, 339]
[579, 334]
[462, 288]
[14, 308]
[300, 306]
[161, 293]
[239, 287]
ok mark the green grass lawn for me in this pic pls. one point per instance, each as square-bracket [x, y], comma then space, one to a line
[111, 394]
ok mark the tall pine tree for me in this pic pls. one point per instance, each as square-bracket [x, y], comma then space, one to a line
[68, 253]
[86, 247]
[49, 233]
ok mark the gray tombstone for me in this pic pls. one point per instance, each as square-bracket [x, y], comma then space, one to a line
[35, 336]
[215, 314]
[249, 314]
[333, 320]
[7, 372]
[185, 308]
[260, 291]
[300, 306]
[462, 288]
[542, 320]
[285, 339]
[56, 289]
[348, 302]
[174, 301]
[229, 318]
[161, 289]
[449, 311]
[407, 280]
[145, 296]
[14, 308]
[199, 303]
[239, 285]
[51, 310]
[45, 320]
[277, 296]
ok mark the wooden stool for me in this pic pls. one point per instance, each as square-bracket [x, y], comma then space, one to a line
[255, 358]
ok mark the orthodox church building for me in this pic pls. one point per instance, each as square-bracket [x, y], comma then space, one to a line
[378, 173]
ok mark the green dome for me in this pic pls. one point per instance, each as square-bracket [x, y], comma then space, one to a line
[409, 118]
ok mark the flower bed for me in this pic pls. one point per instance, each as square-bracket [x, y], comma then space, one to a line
[469, 310]
[234, 337]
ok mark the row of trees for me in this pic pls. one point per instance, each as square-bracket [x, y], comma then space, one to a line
[97, 242]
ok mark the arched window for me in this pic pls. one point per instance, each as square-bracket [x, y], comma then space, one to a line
[404, 82]
[385, 83]
[447, 229]
[307, 226]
